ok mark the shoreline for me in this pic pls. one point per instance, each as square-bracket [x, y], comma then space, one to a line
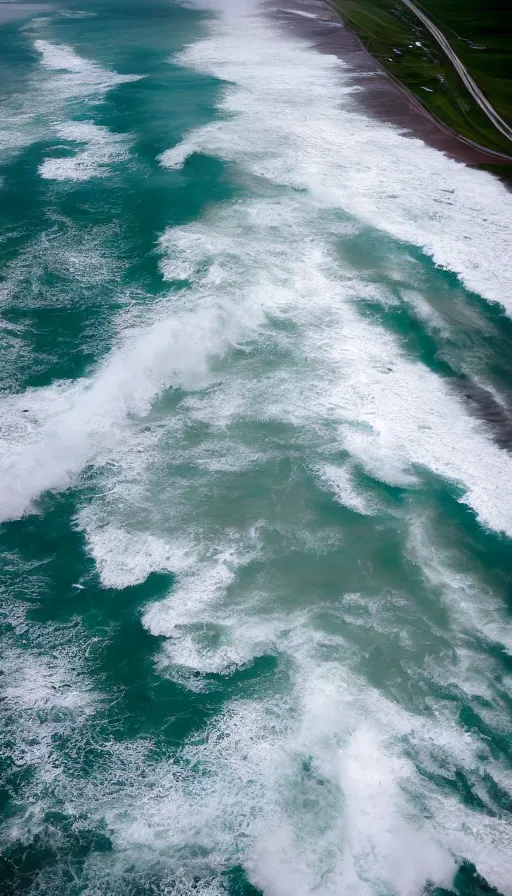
[382, 95]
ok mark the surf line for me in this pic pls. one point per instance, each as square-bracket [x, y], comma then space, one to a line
[383, 95]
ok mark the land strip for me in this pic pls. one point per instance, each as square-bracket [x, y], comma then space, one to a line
[400, 41]
[382, 93]
[473, 88]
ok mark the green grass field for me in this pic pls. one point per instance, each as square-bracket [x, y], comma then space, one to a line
[480, 32]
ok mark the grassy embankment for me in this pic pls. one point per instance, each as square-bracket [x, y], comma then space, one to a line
[480, 33]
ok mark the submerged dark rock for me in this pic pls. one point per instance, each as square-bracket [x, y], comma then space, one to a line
[483, 404]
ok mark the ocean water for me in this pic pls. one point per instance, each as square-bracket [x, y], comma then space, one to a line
[256, 480]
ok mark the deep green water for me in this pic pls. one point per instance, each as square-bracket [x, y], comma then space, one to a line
[256, 482]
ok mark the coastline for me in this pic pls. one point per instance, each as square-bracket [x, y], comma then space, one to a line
[383, 96]
[389, 101]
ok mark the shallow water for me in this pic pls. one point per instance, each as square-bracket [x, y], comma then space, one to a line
[256, 512]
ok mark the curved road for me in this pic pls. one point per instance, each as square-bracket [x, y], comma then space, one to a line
[473, 88]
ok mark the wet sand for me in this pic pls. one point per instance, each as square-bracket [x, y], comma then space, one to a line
[381, 95]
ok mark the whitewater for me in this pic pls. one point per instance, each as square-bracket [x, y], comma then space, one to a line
[255, 528]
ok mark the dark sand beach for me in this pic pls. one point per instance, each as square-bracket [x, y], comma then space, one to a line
[382, 96]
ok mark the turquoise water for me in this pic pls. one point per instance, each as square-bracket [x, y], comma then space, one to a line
[256, 527]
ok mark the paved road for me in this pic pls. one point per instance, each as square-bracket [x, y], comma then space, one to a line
[473, 88]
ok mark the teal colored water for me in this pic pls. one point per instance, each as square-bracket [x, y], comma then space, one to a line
[256, 493]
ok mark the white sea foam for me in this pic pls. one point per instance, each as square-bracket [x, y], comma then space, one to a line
[68, 426]
[71, 254]
[303, 13]
[45, 700]
[459, 216]
[77, 14]
[102, 147]
[474, 607]
[311, 785]
[392, 415]
[340, 481]
[37, 684]
[425, 312]
[125, 559]
[310, 791]
[93, 77]
[60, 57]
[64, 83]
